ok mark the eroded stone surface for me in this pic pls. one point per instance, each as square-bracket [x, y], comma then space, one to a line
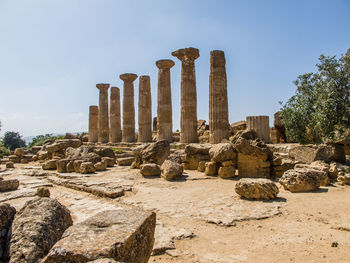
[257, 189]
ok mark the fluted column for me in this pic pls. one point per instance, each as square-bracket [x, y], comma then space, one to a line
[188, 122]
[128, 134]
[145, 110]
[164, 107]
[218, 103]
[103, 120]
[93, 123]
[115, 132]
[261, 125]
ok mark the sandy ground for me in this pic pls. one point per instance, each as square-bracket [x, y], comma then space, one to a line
[201, 219]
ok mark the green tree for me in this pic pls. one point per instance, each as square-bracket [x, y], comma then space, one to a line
[39, 140]
[13, 140]
[320, 109]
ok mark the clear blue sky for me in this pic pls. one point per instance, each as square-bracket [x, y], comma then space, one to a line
[53, 52]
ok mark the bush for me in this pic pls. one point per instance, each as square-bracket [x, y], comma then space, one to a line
[13, 140]
[4, 151]
[40, 139]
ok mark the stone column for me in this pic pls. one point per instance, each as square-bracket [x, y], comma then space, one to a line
[164, 108]
[188, 122]
[218, 103]
[115, 132]
[103, 120]
[155, 124]
[128, 134]
[93, 123]
[261, 125]
[145, 110]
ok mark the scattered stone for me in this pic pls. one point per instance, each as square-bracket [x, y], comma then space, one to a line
[150, 169]
[110, 161]
[201, 166]
[319, 168]
[101, 166]
[323, 152]
[24, 161]
[49, 165]
[14, 158]
[333, 170]
[43, 192]
[127, 161]
[104, 260]
[227, 172]
[222, 152]
[7, 214]
[36, 228]
[300, 180]
[124, 235]
[334, 244]
[19, 152]
[257, 189]
[211, 169]
[62, 165]
[9, 185]
[343, 179]
[10, 165]
[171, 170]
[156, 152]
[87, 168]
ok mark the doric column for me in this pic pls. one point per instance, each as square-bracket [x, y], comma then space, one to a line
[164, 108]
[261, 125]
[218, 103]
[188, 122]
[93, 123]
[115, 132]
[103, 120]
[145, 110]
[128, 134]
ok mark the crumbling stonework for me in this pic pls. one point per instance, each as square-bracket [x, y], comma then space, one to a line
[103, 119]
[115, 132]
[188, 123]
[164, 108]
[128, 134]
[218, 103]
[260, 124]
[145, 110]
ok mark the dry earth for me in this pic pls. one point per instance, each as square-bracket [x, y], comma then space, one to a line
[201, 219]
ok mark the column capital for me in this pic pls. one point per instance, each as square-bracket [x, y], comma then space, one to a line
[165, 63]
[185, 54]
[128, 77]
[217, 58]
[144, 77]
[102, 86]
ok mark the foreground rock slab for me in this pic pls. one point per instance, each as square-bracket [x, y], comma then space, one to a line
[7, 214]
[300, 180]
[257, 189]
[122, 235]
[36, 228]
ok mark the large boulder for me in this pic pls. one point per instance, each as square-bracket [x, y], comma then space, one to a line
[122, 235]
[319, 168]
[9, 185]
[171, 170]
[222, 152]
[211, 168]
[49, 165]
[194, 154]
[36, 228]
[196, 148]
[300, 180]
[238, 126]
[156, 152]
[19, 152]
[227, 172]
[323, 152]
[105, 152]
[87, 168]
[257, 189]
[7, 214]
[150, 169]
[245, 134]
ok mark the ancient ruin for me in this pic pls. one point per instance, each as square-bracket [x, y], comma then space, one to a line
[103, 120]
[115, 132]
[164, 107]
[145, 110]
[261, 125]
[218, 102]
[93, 123]
[128, 134]
[188, 124]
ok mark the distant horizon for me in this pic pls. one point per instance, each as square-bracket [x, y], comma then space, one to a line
[55, 52]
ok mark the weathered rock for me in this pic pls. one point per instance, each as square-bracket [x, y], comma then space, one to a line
[10, 165]
[238, 126]
[222, 152]
[87, 168]
[310, 153]
[245, 134]
[62, 165]
[19, 152]
[280, 165]
[77, 165]
[101, 166]
[8, 185]
[42, 155]
[300, 180]
[24, 161]
[104, 260]
[36, 228]
[320, 168]
[195, 148]
[7, 214]
[344, 179]
[227, 172]
[49, 165]
[333, 170]
[201, 166]
[110, 161]
[124, 235]
[228, 163]
[191, 162]
[156, 152]
[70, 167]
[43, 192]
[256, 189]
[211, 168]
[127, 161]
[171, 170]
[150, 169]
[106, 152]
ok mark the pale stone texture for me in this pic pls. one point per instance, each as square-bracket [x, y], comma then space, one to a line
[260, 124]
[218, 103]
[257, 189]
[115, 132]
[128, 134]
[103, 120]
[164, 108]
[188, 122]
[145, 110]
[93, 123]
